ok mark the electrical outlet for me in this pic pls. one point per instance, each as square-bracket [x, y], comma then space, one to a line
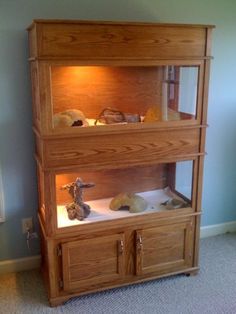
[27, 224]
[33, 235]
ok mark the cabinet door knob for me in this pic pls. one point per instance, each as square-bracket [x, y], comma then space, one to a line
[139, 242]
[121, 246]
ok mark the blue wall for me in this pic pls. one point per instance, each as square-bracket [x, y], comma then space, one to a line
[16, 138]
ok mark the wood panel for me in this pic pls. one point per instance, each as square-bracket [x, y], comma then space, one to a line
[33, 41]
[93, 261]
[116, 150]
[109, 183]
[39, 148]
[130, 252]
[35, 95]
[41, 190]
[50, 202]
[99, 40]
[91, 89]
[171, 179]
[166, 248]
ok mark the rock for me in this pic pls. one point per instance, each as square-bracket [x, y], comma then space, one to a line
[68, 118]
[175, 203]
[133, 202]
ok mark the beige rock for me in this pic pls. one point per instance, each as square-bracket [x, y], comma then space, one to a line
[133, 202]
[68, 118]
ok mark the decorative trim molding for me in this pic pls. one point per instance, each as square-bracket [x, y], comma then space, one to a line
[213, 230]
[34, 262]
[20, 264]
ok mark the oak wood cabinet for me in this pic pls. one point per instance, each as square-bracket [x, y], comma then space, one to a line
[92, 261]
[158, 72]
[165, 248]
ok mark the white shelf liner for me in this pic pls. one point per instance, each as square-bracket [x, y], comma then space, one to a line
[100, 209]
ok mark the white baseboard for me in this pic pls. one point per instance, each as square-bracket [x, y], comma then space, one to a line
[20, 264]
[33, 262]
[213, 230]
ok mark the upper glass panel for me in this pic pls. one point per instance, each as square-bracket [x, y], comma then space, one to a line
[84, 96]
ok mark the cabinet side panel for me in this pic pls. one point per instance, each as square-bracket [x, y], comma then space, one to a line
[41, 191]
[39, 148]
[32, 41]
[50, 202]
[45, 105]
[35, 95]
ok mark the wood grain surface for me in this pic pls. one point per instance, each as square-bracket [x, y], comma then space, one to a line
[109, 183]
[113, 151]
[95, 41]
[92, 89]
[94, 261]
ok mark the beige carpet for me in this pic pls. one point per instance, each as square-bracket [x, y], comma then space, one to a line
[212, 291]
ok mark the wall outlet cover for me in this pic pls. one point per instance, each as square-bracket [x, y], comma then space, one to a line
[27, 224]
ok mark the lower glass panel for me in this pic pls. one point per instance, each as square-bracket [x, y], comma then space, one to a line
[87, 197]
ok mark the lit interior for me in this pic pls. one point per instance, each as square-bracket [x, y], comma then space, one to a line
[169, 92]
[155, 184]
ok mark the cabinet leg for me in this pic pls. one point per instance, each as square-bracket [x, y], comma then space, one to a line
[192, 273]
[58, 301]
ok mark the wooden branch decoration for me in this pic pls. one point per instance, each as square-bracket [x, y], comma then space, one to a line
[78, 209]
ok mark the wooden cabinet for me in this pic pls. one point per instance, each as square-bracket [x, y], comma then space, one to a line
[154, 79]
[128, 256]
[164, 249]
[92, 262]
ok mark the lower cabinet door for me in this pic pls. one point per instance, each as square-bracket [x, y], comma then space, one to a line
[164, 249]
[91, 262]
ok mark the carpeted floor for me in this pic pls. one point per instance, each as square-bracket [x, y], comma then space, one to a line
[212, 291]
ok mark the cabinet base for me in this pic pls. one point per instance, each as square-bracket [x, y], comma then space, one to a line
[56, 301]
